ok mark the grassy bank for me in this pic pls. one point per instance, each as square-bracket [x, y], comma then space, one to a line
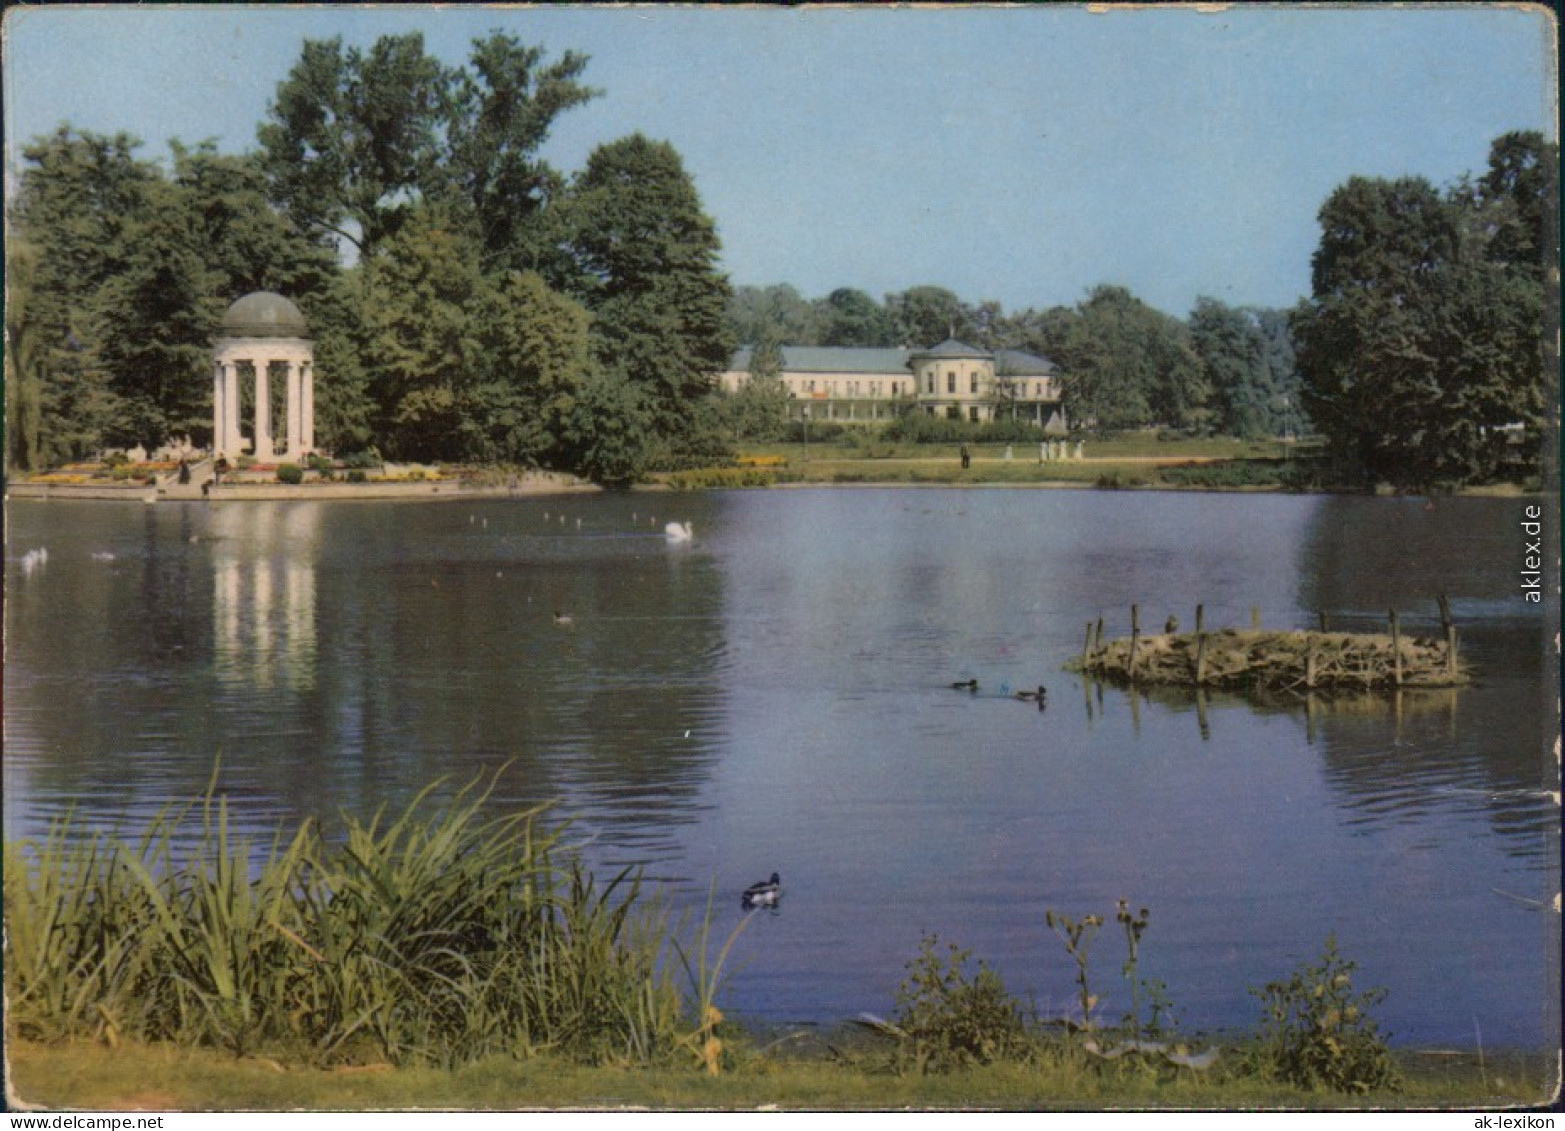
[1125, 462]
[163, 1077]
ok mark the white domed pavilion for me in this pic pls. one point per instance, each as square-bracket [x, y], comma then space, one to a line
[264, 332]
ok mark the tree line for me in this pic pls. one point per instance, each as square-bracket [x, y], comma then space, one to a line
[471, 303]
[1125, 365]
[495, 308]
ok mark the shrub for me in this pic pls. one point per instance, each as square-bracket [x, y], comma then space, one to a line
[953, 1022]
[367, 460]
[290, 473]
[1317, 1033]
[357, 476]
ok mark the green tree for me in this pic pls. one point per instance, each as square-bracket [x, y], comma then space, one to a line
[156, 320]
[78, 194]
[608, 432]
[25, 375]
[778, 314]
[849, 317]
[533, 358]
[926, 316]
[356, 141]
[420, 291]
[1422, 345]
[1126, 365]
[502, 109]
[353, 138]
[246, 243]
[1247, 361]
[646, 259]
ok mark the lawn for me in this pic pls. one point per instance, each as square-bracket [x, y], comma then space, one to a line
[164, 1078]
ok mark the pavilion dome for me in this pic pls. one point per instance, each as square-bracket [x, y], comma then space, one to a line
[264, 314]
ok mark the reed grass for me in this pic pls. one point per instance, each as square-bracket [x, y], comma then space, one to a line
[442, 936]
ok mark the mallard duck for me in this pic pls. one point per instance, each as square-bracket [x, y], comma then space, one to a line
[763, 894]
[965, 685]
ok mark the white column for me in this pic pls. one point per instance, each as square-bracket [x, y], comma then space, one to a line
[219, 409]
[307, 380]
[291, 420]
[265, 446]
[233, 439]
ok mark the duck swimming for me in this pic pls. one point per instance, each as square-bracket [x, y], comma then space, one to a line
[763, 894]
[1040, 695]
[965, 685]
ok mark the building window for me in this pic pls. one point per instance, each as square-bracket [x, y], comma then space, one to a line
[953, 412]
[950, 382]
[972, 414]
[973, 383]
[931, 382]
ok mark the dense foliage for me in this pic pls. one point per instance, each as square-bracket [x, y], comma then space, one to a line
[471, 303]
[487, 307]
[1422, 347]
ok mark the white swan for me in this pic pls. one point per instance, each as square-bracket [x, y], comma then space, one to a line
[679, 532]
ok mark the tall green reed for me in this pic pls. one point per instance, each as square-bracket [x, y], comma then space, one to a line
[440, 936]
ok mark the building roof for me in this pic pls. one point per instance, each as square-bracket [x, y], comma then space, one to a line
[953, 348]
[264, 314]
[894, 362]
[833, 359]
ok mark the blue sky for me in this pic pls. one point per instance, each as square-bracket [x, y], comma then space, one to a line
[1021, 154]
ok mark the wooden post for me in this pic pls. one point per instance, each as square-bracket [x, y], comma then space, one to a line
[1309, 667]
[1323, 620]
[1450, 637]
[1097, 636]
[1135, 635]
[1200, 659]
[1396, 650]
[1200, 619]
[1086, 647]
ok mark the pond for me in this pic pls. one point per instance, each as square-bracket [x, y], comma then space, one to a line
[776, 695]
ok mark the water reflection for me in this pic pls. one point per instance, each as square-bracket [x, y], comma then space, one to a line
[263, 606]
[1393, 757]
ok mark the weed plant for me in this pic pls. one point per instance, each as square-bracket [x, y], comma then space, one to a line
[954, 1022]
[1316, 1032]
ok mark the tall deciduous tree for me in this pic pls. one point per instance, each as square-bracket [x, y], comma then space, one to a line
[1422, 345]
[850, 317]
[646, 257]
[533, 360]
[420, 291]
[356, 141]
[1126, 365]
[353, 139]
[502, 109]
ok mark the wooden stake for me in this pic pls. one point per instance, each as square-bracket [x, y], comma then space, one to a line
[1086, 647]
[1200, 619]
[1135, 635]
[1323, 620]
[1450, 652]
[1396, 650]
[1200, 659]
[1309, 667]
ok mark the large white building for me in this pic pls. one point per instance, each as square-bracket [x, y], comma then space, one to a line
[855, 385]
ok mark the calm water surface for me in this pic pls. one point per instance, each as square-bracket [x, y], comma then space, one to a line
[776, 695]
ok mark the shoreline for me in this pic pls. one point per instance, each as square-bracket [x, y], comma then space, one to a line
[454, 489]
